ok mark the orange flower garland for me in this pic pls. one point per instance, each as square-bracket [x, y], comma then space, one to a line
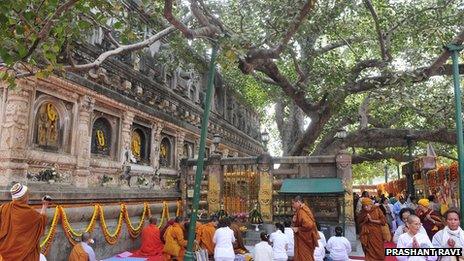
[454, 172]
[51, 233]
[111, 238]
[135, 232]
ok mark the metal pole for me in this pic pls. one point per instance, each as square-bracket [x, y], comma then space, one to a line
[455, 49]
[409, 176]
[200, 161]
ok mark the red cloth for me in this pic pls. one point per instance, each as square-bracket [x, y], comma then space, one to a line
[152, 247]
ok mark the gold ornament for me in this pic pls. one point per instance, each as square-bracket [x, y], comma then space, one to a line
[101, 138]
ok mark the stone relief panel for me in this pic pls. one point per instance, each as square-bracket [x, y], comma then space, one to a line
[166, 154]
[140, 143]
[51, 121]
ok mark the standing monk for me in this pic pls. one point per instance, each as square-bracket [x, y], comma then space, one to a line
[371, 220]
[21, 226]
[305, 230]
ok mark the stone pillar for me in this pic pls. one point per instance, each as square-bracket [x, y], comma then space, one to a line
[343, 160]
[127, 119]
[156, 143]
[15, 127]
[215, 183]
[86, 106]
[265, 186]
[180, 137]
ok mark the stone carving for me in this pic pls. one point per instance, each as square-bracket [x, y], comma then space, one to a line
[265, 195]
[47, 124]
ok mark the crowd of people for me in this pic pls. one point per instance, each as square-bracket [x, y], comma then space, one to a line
[414, 223]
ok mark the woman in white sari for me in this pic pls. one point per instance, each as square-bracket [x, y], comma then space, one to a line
[452, 236]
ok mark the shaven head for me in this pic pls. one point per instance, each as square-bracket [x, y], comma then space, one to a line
[153, 220]
[85, 237]
[414, 224]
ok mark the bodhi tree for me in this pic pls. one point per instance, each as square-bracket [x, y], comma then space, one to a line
[374, 67]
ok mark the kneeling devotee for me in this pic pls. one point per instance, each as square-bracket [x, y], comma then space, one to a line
[21, 226]
[83, 251]
[151, 247]
[175, 242]
[205, 234]
[414, 239]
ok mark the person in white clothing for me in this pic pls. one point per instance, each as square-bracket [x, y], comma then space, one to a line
[452, 236]
[288, 231]
[262, 250]
[223, 239]
[279, 243]
[414, 239]
[404, 214]
[319, 251]
[338, 246]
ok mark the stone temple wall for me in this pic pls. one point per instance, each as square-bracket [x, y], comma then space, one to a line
[113, 134]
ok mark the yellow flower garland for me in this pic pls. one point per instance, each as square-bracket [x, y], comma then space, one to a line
[179, 208]
[98, 212]
[111, 238]
[89, 227]
[51, 233]
[134, 232]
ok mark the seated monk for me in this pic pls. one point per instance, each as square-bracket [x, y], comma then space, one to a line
[174, 249]
[205, 234]
[239, 246]
[83, 251]
[21, 226]
[152, 247]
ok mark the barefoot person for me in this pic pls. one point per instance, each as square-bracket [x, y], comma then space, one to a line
[304, 226]
[21, 226]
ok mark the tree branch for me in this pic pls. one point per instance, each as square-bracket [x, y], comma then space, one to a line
[386, 56]
[121, 49]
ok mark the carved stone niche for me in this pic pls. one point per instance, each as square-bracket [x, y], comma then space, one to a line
[105, 135]
[52, 119]
[140, 144]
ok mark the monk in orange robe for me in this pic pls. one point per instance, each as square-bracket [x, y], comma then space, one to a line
[205, 234]
[239, 245]
[305, 231]
[175, 242]
[82, 251]
[152, 247]
[371, 220]
[21, 226]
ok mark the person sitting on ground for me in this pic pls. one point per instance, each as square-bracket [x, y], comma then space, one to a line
[262, 250]
[279, 243]
[404, 214]
[205, 234]
[319, 252]
[338, 246]
[452, 236]
[288, 231]
[152, 246]
[223, 239]
[165, 227]
[21, 226]
[175, 242]
[414, 239]
[83, 251]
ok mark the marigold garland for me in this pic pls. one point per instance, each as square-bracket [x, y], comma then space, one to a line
[51, 232]
[98, 212]
[111, 238]
[135, 232]
[179, 208]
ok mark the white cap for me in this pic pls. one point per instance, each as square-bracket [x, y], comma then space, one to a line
[18, 190]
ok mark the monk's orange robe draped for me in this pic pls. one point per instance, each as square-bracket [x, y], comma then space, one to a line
[306, 237]
[20, 230]
[152, 246]
[175, 242]
[78, 254]
[239, 246]
[205, 234]
[371, 236]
